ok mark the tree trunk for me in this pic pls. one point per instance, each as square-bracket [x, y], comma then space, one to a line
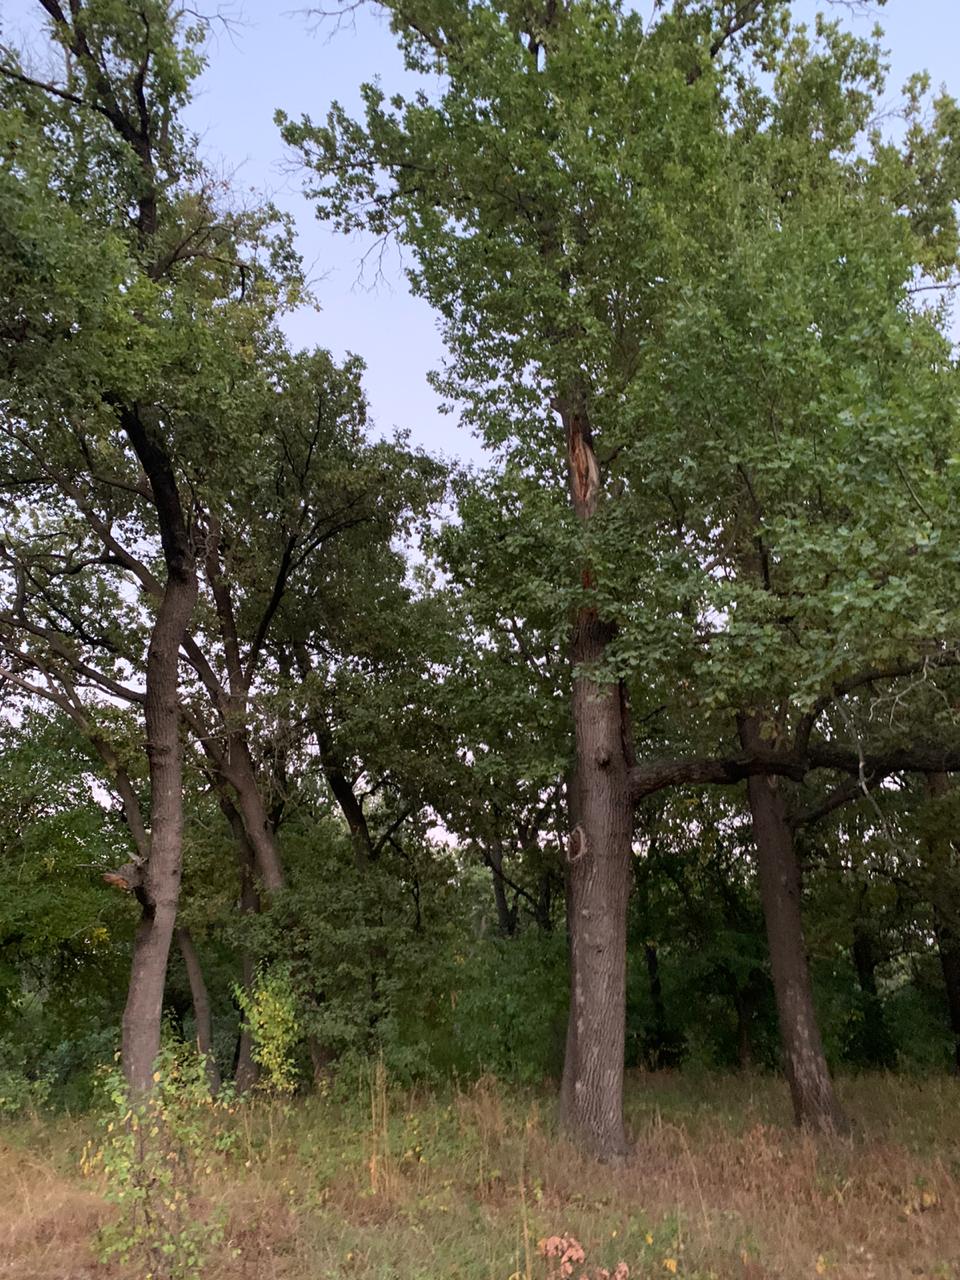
[598, 851]
[656, 1052]
[506, 919]
[948, 936]
[598, 858]
[815, 1103]
[256, 820]
[201, 1006]
[877, 1048]
[246, 1071]
[948, 945]
[745, 1011]
[160, 891]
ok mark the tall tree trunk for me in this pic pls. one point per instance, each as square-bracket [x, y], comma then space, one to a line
[598, 853]
[201, 1006]
[815, 1103]
[599, 872]
[159, 890]
[944, 916]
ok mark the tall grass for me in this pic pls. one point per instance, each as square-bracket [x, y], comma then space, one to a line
[475, 1184]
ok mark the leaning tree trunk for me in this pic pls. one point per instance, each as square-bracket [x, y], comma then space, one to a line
[256, 820]
[160, 889]
[815, 1104]
[201, 1006]
[598, 856]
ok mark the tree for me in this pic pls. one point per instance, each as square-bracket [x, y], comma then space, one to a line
[573, 196]
[186, 474]
[142, 338]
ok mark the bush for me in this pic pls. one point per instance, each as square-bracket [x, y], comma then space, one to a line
[151, 1153]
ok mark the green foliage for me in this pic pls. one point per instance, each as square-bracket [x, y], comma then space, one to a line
[727, 265]
[20, 1091]
[152, 1154]
[508, 1008]
[270, 1012]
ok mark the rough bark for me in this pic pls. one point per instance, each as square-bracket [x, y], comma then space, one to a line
[256, 820]
[598, 854]
[598, 858]
[815, 1103]
[160, 889]
[201, 1006]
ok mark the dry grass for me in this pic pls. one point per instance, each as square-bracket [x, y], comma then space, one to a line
[47, 1214]
[418, 1187]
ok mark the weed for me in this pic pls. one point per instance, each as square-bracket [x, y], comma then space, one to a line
[152, 1155]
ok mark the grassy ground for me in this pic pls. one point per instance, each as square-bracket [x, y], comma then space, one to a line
[399, 1186]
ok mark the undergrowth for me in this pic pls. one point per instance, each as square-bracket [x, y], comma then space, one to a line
[478, 1184]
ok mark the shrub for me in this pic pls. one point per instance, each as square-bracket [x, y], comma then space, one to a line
[151, 1153]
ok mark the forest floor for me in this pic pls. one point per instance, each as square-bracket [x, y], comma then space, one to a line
[462, 1186]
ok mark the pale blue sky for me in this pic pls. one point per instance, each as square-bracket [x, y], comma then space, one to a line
[276, 58]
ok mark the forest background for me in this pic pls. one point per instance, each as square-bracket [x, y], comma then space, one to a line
[359, 752]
